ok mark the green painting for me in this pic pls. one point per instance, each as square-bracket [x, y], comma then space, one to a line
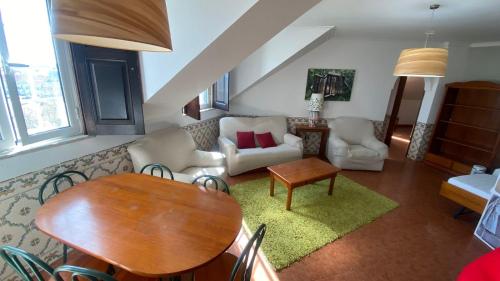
[335, 84]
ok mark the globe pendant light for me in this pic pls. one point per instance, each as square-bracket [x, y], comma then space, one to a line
[423, 62]
[138, 25]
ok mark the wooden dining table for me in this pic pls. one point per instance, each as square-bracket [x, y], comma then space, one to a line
[143, 224]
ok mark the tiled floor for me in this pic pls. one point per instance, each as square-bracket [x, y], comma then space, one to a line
[417, 241]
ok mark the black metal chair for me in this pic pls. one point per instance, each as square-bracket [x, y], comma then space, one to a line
[241, 267]
[26, 265]
[80, 273]
[157, 166]
[56, 180]
[215, 181]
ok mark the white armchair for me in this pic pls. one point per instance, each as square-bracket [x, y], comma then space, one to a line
[353, 145]
[289, 147]
[176, 149]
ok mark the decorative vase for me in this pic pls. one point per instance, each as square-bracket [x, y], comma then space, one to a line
[315, 106]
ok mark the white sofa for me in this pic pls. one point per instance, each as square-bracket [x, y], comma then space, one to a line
[353, 145]
[289, 147]
[176, 149]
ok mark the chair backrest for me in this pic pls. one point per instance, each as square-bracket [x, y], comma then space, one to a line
[173, 147]
[274, 124]
[26, 265]
[157, 169]
[248, 255]
[57, 180]
[351, 129]
[80, 274]
[212, 181]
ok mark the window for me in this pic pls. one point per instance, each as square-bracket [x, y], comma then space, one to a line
[39, 96]
[206, 99]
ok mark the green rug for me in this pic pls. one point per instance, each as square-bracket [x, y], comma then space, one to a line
[315, 220]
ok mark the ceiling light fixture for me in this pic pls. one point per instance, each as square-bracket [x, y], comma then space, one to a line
[423, 62]
[138, 25]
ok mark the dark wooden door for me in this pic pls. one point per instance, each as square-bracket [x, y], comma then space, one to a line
[399, 87]
[110, 90]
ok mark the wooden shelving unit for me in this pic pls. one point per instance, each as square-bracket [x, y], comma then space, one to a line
[467, 131]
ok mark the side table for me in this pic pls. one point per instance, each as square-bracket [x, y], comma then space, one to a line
[302, 129]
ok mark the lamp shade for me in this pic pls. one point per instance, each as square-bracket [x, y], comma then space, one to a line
[138, 25]
[316, 102]
[422, 62]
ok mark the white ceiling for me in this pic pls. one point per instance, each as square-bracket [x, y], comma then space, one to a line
[455, 21]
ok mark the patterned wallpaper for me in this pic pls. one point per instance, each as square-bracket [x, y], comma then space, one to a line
[420, 141]
[18, 196]
[19, 203]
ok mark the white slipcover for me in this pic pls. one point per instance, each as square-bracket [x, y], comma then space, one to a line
[352, 144]
[242, 160]
[176, 149]
[482, 185]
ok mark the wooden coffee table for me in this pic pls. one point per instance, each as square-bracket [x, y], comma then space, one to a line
[302, 172]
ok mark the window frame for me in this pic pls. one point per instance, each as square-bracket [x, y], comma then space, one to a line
[209, 104]
[69, 93]
[7, 138]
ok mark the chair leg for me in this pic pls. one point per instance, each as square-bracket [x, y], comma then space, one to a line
[65, 254]
[462, 211]
[110, 270]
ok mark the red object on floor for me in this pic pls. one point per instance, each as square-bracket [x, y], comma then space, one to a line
[245, 139]
[485, 268]
[265, 140]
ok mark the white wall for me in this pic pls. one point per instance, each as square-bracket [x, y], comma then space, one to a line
[435, 87]
[287, 45]
[408, 111]
[194, 25]
[483, 64]
[283, 92]
[412, 98]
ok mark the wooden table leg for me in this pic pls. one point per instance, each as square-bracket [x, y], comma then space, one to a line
[271, 187]
[289, 199]
[332, 182]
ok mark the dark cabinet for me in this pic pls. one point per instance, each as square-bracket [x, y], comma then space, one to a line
[110, 90]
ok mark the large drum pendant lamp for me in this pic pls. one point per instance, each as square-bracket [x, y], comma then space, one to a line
[423, 62]
[138, 25]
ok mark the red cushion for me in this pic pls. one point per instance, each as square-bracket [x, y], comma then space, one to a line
[265, 140]
[245, 139]
[485, 268]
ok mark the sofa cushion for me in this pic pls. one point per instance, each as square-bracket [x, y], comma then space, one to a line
[245, 139]
[171, 147]
[275, 124]
[265, 140]
[351, 129]
[360, 152]
[263, 157]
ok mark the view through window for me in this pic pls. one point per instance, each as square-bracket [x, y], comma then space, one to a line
[31, 79]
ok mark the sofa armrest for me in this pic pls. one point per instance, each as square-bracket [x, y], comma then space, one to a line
[338, 146]
[202, 158]
[294, 141]
[376, 145]
[227, 147]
